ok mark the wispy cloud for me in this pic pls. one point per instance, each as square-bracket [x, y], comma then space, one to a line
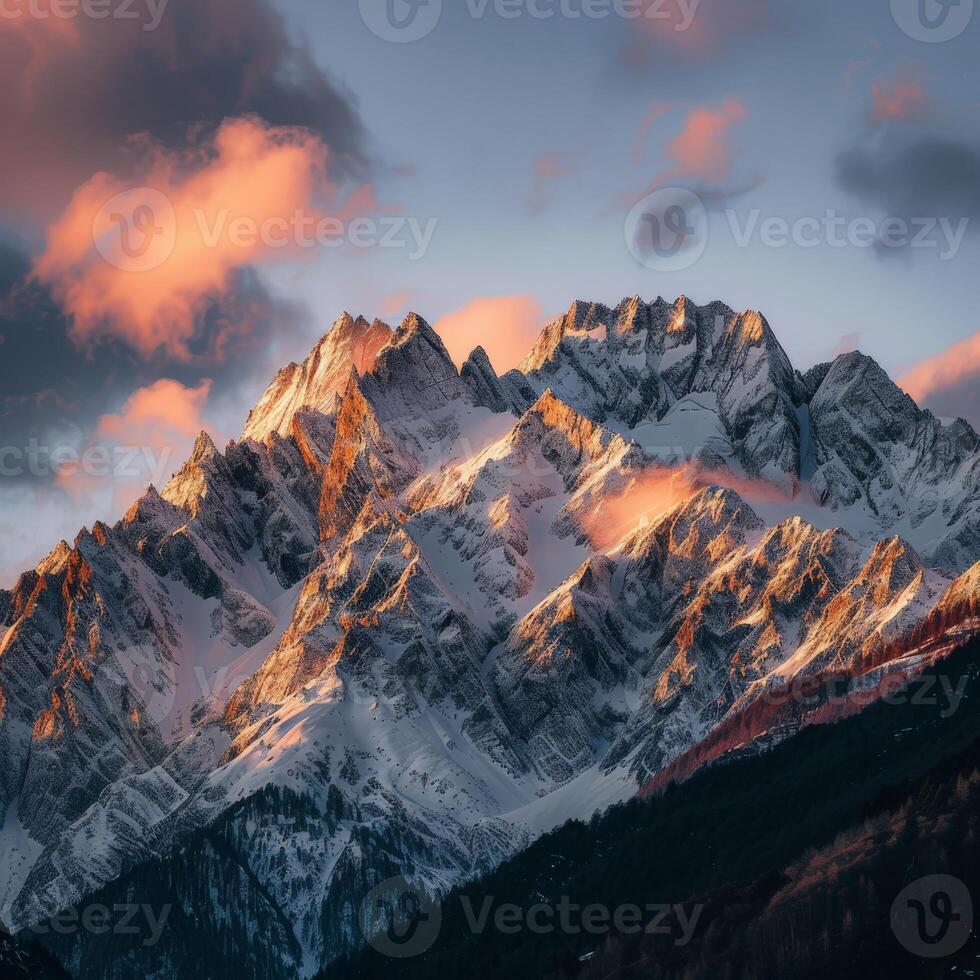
[703, 152]
[189, 203]
[657, 111]
[77, 90]
[692, 28]
[949, 382]
[901, 98]
[548, 168]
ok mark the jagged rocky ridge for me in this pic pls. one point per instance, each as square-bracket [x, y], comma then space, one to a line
[395, 607]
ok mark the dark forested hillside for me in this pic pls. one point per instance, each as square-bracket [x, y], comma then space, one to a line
[26, 961]
[784, 863]
[794, 857]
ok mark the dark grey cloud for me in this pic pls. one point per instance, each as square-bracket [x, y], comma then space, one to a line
[929, 176]
[960, 400]
[73, 97]
[52, 393]
[930, 182]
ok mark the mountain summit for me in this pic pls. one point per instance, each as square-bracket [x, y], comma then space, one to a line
[417, 616]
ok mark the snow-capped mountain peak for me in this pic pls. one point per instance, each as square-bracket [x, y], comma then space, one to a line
[439, 611]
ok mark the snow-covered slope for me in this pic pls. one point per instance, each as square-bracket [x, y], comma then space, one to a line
[320, 378]
[416, 615]
[845, 445]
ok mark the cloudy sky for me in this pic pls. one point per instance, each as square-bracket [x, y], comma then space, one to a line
[193, 190]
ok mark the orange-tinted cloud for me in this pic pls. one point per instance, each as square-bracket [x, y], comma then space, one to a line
[506, 327]
[158, 413]
[703, 153]
[853, 67]
[696, 29]
[548, 167]
[645, 499]
[847, 343]
[395, 303]
[145, 266]
[77, 89]
[949, 383]
[901, 98]
[657, 110]
[703, 150]
[144, 442]
[659, 488]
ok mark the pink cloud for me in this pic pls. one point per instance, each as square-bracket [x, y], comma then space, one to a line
[901, 98]
[847, 343]
[77, 89]
[506, 327]
[146, 441]
[949, 382]
[158, 413]
[703, 149]
[853, 67]
[149, 281]
[548, 167]
[657, 110]
[696, 29]
[659, 488]
[395, 303]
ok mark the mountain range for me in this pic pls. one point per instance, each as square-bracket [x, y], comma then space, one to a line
[416, 616]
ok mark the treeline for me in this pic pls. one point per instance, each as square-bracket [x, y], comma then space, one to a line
[829, 914]
[734, 834]
[216, 921]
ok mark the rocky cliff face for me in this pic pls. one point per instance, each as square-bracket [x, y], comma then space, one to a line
[643, 367]
[415, 616]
